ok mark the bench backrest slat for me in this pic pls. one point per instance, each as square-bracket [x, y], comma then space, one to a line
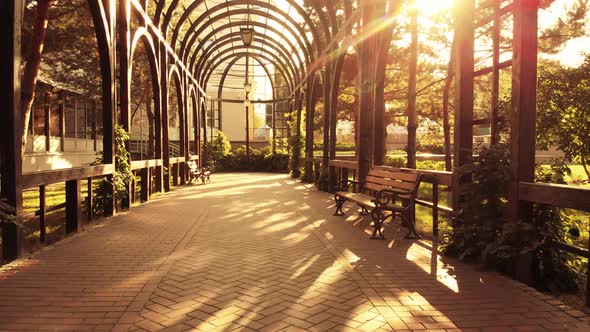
[391, 183]
[401, 176]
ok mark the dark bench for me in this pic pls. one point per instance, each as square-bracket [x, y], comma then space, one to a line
[383, 195]
[203, 173]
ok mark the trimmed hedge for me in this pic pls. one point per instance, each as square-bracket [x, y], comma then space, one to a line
[278, 162]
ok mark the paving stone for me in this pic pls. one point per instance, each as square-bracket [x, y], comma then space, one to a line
[261, 252]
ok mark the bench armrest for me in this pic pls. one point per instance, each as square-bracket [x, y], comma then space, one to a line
[345, 185]
[389, 196]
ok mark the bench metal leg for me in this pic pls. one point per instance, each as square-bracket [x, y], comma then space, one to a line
[364, 211]
[378, 219]
[410, 221]
[339, 203]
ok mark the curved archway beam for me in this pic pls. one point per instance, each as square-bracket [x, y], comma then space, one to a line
[253, 55]
[243, 54]
[236, 38]
[169, 14]
[210, 68]
[309, 57]
[273, 59]
[207, 19]
[228, 68]
[156, 32]
[194, 33]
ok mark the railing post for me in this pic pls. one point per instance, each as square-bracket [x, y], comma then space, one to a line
[42, 213]
[174, 174]
[145, 184]
[73, 206]
[435, 210]
[90, 200]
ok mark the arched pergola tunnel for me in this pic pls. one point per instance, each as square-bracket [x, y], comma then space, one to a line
[195, 48]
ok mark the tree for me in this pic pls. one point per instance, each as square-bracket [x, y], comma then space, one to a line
[563, 116]
[33, 60]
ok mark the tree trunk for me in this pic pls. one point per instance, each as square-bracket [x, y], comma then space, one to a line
[446, 97]
[585, 166]
[33, 61]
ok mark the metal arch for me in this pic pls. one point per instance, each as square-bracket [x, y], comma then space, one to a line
[281, 70]
[174, 69]
[277, 61]
[286, 77]
[265, 41]
[187, 43]
[208, 70]
[195, 53]
[236, 37]
[143, 34]
[292, 3]
[228, 68]
[204, 18]
[174, 75]
[222, 80]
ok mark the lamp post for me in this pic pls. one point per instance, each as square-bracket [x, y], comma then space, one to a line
[247, 105]
[247, 34]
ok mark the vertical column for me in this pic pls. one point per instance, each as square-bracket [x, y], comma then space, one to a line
[73, 206]
[42, 213]
[495, 135]
[90, 200]
[412, 118]
[309, 117]
[524, 93]
[124, 79]
[164, 118]
[46, 120]
[463, 143]
[367, 60]
[380, 123]
[145, 184]
[10, 121]
[62, 122]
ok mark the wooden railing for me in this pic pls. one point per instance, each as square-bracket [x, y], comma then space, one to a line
[73, 177]
[561, 196]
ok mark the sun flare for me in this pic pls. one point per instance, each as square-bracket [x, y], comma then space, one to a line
[432, 6]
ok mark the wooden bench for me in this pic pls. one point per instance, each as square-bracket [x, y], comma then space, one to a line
[203, 173]
[383, 195]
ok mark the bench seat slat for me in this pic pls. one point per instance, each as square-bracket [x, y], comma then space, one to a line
[361, 199]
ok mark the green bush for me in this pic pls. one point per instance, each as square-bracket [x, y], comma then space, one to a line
[257, 162]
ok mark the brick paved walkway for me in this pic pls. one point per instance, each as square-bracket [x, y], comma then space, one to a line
[260, 252]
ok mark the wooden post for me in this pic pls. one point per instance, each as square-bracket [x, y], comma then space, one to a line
[435, 210]
[412, 117]
[379, 118]
[495, 134]
[73, 206]
[145, 185]
[524, 93]
[463, 143]
[11, 13]
[367, 61]
[46, 120]
[164, 117]
[62, 121]
[125, 78]
[42, 213]
[90, 200]
[174, 174]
